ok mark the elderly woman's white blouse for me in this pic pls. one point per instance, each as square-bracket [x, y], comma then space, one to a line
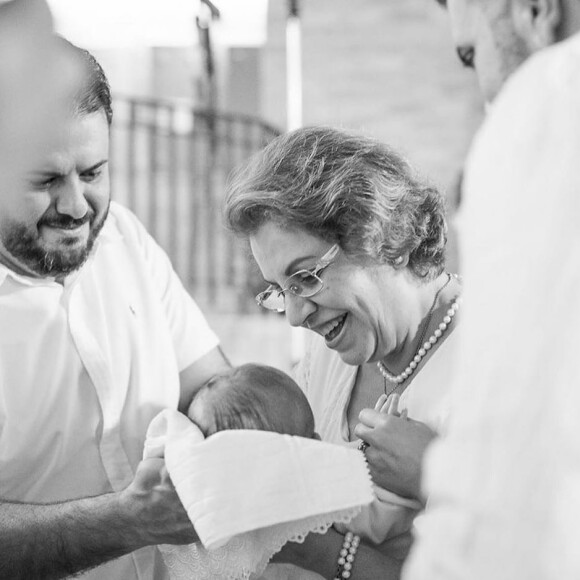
[328, 383]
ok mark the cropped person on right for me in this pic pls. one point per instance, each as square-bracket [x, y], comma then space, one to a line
[504, 481]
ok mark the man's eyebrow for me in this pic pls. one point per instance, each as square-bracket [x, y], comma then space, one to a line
[95, 166]
[53, 172]
[43, 173]
[466, 54]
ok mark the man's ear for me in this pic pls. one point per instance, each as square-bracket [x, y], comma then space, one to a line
[537, 21]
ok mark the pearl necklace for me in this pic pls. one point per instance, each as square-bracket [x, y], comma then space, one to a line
[427, 345]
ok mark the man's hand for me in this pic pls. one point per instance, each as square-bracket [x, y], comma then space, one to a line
[396, 446]
[161, 517]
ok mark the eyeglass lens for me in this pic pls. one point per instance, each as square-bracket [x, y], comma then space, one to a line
[304, 283]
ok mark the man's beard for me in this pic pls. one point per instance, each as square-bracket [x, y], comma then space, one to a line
[26, 245]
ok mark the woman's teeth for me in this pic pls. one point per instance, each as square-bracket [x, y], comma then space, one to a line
[336, 328]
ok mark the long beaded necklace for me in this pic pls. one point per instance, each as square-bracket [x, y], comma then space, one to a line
[424, 346]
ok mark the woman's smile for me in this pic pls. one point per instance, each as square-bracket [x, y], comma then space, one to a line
[330, 330]
[333, 335]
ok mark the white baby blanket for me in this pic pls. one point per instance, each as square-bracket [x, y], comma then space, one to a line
[249, 492]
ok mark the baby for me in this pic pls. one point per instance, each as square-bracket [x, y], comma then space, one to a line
[259, 397]
[252, 396]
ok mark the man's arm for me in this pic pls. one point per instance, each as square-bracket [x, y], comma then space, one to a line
[197, 374]
[56, 540]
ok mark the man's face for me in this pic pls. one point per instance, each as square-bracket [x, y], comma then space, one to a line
[49, 224]
[486, 40]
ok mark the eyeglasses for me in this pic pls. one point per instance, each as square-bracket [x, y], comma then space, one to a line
[304, 283]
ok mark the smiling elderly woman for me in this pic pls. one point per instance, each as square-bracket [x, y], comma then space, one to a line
[352, 245]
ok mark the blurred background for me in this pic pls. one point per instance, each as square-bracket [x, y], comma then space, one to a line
[200, 85]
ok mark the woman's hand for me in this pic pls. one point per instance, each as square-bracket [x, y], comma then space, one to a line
[319, 553]
[396, 446]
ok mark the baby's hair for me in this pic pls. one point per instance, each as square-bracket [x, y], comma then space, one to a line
[254, 396]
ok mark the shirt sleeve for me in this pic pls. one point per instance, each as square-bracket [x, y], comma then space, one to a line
[192, 336]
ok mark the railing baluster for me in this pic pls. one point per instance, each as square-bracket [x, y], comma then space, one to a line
[210, 168]
[153, 168]
[193, 186]
[175, 223]
[131, 158]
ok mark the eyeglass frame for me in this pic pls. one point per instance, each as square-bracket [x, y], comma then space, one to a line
[326, 260]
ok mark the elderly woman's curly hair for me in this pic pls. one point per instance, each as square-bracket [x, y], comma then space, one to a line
[343, 188]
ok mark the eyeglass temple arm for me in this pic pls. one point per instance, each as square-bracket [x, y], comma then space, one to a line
[329, 256]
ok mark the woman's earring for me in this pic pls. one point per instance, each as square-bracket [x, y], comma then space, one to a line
[399, 260]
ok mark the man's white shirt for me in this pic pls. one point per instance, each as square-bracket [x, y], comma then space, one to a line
[86, 365]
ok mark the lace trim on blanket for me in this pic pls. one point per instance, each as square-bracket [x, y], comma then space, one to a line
[245, 556]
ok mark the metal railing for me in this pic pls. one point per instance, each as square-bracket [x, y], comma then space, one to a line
[169, 164]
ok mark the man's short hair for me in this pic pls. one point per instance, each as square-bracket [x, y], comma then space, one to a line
[94, 92]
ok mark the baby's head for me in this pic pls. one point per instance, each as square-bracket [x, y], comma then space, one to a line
[252, 396]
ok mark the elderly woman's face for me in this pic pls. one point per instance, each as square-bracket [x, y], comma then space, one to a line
[360, 312]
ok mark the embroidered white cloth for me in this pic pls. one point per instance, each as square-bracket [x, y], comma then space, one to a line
[249, 492]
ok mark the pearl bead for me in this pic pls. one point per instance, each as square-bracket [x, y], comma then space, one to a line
[400, 378]
[346, 574]
[341, 561]
[348, 566]
[350, 558]
[343, 552]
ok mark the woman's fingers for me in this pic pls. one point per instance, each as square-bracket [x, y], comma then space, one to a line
[380, 402]
[390, 405]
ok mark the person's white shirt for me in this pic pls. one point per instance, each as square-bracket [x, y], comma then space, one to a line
[85, 366]
[504, 484]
